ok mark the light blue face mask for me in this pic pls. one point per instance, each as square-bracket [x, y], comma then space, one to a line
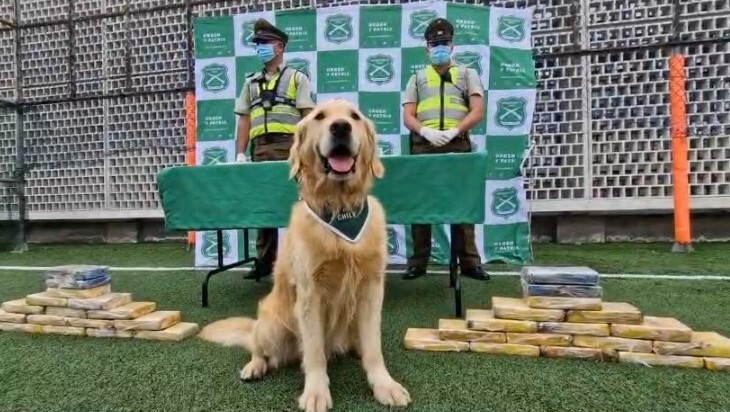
[265, 52]
[440, 54]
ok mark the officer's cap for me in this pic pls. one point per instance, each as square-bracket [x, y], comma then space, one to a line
[264, 31]
[439, 29]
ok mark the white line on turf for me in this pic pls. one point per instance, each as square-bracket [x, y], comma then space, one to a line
[440, 272]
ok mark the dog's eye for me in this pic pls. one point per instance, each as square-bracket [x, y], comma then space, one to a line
[355, 116]
[319, 116]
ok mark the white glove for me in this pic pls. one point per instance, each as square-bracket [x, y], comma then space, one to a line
[436, 137]
[451, 133]
[241, 158]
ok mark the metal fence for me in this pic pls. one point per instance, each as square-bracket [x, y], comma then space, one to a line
[99, 88]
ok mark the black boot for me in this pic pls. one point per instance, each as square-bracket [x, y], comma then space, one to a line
[413, 272]
[475, 273]
[258, 271]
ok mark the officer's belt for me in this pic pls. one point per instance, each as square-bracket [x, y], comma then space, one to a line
[275, 100]
[417, 138]
[270, 138]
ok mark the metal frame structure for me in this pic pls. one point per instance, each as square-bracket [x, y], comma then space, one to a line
[577, 30]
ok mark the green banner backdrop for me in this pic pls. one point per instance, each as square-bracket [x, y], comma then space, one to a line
[366, 54]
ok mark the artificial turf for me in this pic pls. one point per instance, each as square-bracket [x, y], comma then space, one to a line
[58, 373]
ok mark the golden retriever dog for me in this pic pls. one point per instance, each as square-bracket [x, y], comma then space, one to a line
[328, 288]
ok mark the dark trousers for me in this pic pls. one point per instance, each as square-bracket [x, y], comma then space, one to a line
[272, 146]
[468, 253]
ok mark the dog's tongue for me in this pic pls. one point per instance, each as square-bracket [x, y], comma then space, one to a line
[341, 164]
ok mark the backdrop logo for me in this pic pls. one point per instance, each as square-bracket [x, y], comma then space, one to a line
[393, 245]
[469, 59]
[511, 112]
[380, 69]
[338, 28]
[385, 147]
[209, 248]
[247, 34]
[299, 64]
[505, 202]
[511, 28]
[419, 21]
[215, 155]
[215, 77]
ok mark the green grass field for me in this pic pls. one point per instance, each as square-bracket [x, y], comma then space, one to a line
[71, 374]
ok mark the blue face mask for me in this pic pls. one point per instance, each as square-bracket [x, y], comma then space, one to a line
[265, 52]
[440, 54]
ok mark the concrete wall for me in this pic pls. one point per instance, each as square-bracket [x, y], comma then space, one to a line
[545, 229]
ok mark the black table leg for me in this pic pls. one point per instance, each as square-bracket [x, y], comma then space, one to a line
[221, 267]
[454, 277]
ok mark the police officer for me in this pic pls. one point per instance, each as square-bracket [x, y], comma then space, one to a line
[271, 104]
[443, 102]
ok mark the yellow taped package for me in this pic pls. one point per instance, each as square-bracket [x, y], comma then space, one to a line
[159, 320]
[12, 317]
[573, 352]
[717, 364]
[21, 306]
[456, 329]
[90, 323]
[66, 312]
[505, 349]
[108, 333]
[613, 343]
[174, 333]
[103, 302]
[484, 320]
[590, 329]
[42, 299]
[611, 312]
[62, 330]
[79, 293]
[652, 359]
[555, 302]
[539, 339]
[654, 328]
[48, 320]
[428, 340]
[131, 310]
[19, 327]
[517, 309]
[708, 344]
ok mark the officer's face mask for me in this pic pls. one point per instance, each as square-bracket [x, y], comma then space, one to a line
[440, 54]
[265, 52]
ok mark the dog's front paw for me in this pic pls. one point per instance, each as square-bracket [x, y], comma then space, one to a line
[316, 398]
[391, 393]
[255, 369]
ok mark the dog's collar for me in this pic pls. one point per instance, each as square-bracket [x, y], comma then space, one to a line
[347, 225]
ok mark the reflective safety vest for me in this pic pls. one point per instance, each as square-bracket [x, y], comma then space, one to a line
[441, 103]
[283, 115]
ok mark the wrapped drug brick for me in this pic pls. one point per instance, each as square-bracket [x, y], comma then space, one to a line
[428, 340]
[456, 329]
[77, 272]
[21, 306]
[563, 291]
[539, 339]
[175, 333]
[109, 333]
[20, 327]
[153, 321]
[652, 359]
[42, 299]
[574, 352]
[517, 309]
[484, 320]
[706, 344]
[79, 293]
[66, 312]
[556, 275]
[127, 311]
[12, 317]
[613, 343]
[103, 302]
[654, 328]
[611, 312]
[60, 282]
[551, 302]
[504, 349]
[591, 329]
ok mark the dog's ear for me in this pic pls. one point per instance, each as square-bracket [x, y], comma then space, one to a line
[376, 165]
[295, 161]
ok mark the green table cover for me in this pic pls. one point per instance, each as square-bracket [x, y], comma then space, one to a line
[426, 189]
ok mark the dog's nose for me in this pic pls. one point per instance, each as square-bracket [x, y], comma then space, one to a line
[340, 128]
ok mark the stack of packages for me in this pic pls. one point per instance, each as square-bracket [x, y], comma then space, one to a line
[79, 301]
[562, 315]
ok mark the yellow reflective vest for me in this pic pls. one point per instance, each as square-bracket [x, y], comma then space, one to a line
[283, 115]
[441, 103]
